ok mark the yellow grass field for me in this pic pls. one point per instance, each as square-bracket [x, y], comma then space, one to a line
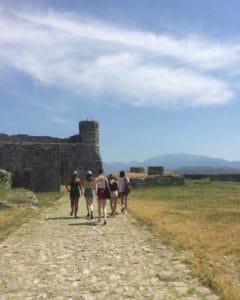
[202, 220]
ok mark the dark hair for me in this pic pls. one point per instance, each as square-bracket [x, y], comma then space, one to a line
[100, 171]
[89, 177]
[73, 177]
[122, 173]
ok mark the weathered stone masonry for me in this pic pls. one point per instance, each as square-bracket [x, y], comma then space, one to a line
[43, 163]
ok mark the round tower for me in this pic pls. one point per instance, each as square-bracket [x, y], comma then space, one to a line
[89, 133]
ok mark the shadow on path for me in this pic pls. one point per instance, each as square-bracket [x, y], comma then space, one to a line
[65, 218]
[82, 224]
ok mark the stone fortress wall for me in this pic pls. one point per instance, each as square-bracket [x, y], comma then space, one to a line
[154, 177]
[43, 163]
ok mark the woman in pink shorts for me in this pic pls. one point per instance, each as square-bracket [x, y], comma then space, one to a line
[102, 189]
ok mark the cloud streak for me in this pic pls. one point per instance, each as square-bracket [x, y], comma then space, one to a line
[103, 61]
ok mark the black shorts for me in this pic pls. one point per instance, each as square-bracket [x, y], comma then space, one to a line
[74, 194]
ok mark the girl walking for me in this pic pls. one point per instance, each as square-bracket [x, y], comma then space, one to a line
[124, 190]
[89, 187]
[113, 184]
[102, 189]
[75, 189]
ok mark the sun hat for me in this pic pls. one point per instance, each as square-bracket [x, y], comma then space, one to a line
[89, 172]
[75, 173]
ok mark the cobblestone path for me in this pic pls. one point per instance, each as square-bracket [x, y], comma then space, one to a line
[58, 257]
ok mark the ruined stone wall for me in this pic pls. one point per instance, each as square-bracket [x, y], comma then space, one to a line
[43, 167]
[157, 180]
[41, 163]
[137, 170]
[80, 157]
[33, 166]
[156, 170]
[196, 176]
[23, 138]
[225, 177]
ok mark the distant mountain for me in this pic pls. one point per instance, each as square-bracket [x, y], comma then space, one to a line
[181, 162]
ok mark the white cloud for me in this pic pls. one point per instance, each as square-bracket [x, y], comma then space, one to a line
[60, 121]
[134, 67]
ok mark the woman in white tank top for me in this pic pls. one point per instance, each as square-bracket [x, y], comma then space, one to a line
[101, 192]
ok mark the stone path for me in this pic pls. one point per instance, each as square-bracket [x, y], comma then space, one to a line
[58, 257]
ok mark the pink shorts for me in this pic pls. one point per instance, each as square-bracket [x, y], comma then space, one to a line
[101, 193]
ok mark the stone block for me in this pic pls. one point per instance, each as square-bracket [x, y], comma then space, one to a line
[156, 170]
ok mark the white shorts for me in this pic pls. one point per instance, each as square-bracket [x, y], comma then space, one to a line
[114, 195]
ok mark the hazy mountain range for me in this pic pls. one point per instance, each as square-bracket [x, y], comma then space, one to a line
[181, 162]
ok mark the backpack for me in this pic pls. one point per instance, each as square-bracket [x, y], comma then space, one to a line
[128, 186]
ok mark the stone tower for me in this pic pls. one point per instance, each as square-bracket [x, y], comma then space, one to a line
[89, 133]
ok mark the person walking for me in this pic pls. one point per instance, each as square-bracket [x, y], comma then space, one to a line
[102, 189]
[113, 184]
[74, 187]
[124, 189]
[89, 187]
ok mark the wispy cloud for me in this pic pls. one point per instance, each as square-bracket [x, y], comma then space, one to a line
[60, 121]
[89, 57]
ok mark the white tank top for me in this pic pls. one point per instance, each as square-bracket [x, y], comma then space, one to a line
[101, 182]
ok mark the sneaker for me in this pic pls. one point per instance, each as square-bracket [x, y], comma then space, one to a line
[91, 215]
[123, 210]
[105, 222]
[71, 213]
[88, 215]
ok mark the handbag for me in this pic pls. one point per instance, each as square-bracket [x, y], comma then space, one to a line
[128, 187]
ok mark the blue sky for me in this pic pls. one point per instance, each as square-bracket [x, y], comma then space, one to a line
[159, 76]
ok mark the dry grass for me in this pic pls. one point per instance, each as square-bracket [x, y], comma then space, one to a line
[11, 217]
[203, 219]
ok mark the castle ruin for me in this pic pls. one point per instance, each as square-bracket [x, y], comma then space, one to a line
[43, 163]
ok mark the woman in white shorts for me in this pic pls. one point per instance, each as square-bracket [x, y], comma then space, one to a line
[113, 184]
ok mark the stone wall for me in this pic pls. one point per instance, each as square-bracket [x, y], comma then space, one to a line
[196, 176]
[23, 138]
[214, 177]
[43, 163]
[157, 180]
[225, 177]
[43, 167]
[156, 170]
[137, 170]
[33, 166]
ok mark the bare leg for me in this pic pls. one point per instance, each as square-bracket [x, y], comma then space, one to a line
[76, 207]
[90, 206]
[99, 209]
[72, 206]
[122, 202]
[112, 206]
[126, 199]
[87, 207]
[104, 211]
